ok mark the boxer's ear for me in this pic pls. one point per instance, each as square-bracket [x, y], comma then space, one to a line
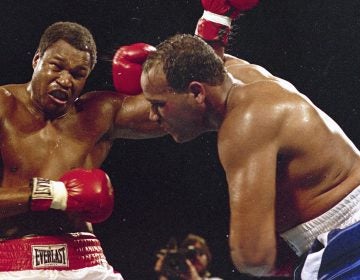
[35, 59]
[198, 90]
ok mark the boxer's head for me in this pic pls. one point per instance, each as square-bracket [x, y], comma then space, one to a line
[74, 34]
[62, 64]
[185, 58]
[174, 79]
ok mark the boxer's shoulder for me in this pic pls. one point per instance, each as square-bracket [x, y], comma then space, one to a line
[233, 60]
[249, 73]
[10, 97]
[11, 90]
[259, 106]
[273, 91]
[265, 92]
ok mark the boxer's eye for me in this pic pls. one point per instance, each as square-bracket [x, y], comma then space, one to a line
[55, 66]
[78, 75]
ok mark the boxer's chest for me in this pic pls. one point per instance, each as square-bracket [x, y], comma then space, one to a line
[44, 150]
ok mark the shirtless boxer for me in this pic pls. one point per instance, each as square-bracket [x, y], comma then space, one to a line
[56, 138]
[291, 170]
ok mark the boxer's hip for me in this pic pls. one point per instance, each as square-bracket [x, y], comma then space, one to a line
[61, 252]
[344, 214]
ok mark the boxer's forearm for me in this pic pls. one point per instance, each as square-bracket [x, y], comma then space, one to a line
[132, 120]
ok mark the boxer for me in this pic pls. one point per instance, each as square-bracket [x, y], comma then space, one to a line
[57, 137]
[292, 173]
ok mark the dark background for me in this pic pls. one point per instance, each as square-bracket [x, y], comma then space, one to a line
[164, 189]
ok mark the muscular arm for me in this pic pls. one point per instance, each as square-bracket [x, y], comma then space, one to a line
[248, 150]
[119, 115]
[132, 120]
[13, 199]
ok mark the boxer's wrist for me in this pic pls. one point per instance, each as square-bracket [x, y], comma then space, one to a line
[220, 19]
[46, 194]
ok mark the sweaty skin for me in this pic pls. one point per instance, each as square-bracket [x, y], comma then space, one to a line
[285, 160]
[250, 73]
[46, 129]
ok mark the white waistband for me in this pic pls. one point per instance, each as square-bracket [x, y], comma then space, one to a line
[343, 214]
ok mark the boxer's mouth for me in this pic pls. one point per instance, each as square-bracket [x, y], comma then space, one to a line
[59, 96]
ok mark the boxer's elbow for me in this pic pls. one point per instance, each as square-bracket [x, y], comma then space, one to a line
[256, 263]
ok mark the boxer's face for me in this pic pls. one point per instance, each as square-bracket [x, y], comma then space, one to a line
[59, 77]
[179, 114]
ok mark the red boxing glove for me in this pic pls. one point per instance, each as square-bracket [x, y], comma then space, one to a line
[215, 23]
[87, 192]
[127, 67]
